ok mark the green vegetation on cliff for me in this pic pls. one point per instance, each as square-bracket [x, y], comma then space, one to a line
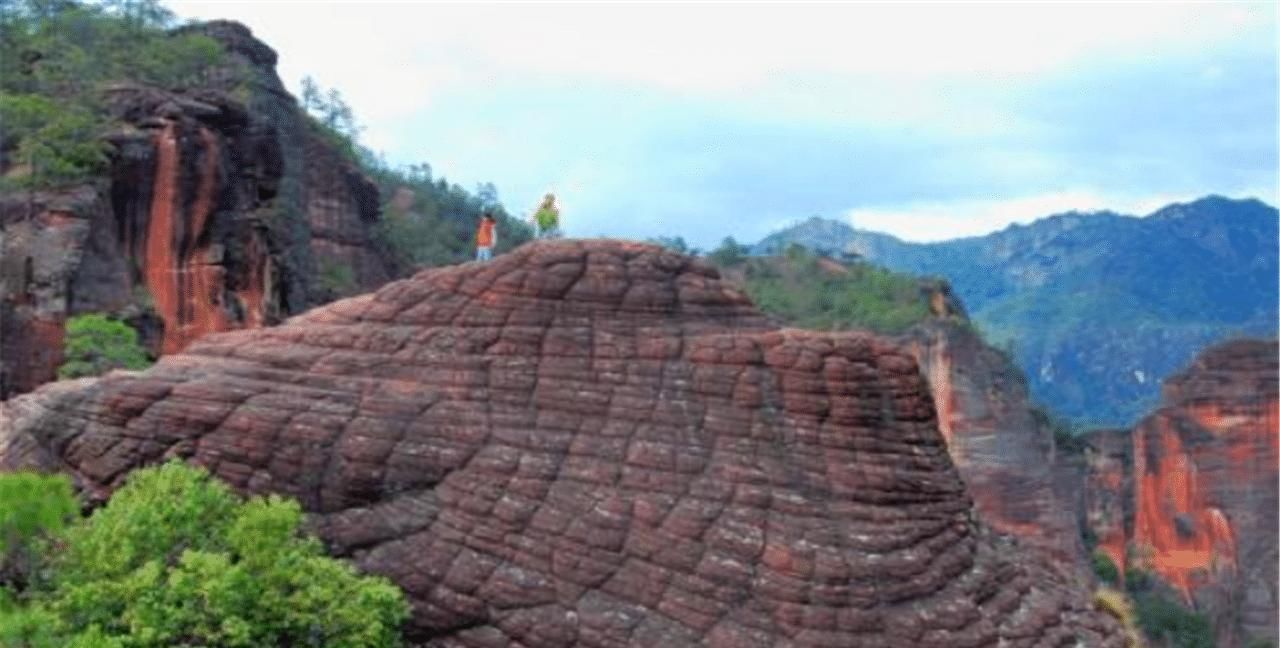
[176, 559]
[56, 57]
[810, 291]
[96, 344]
[427, 221]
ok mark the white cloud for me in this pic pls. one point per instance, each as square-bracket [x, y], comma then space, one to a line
[443, 83]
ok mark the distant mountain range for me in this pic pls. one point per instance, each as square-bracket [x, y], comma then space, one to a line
[1097, 308]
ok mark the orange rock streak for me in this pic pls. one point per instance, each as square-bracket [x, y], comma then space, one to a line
[1169, 496]
[187, 297]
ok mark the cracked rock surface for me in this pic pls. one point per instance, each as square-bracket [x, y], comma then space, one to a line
[587, 443]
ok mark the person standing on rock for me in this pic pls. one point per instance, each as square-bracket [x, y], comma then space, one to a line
[547, 218]
[486, 237]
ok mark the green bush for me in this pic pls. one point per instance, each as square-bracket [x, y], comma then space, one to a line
[1170, 624]
[96, 344]
[32, 507]
[175, 558]
[1105, 568]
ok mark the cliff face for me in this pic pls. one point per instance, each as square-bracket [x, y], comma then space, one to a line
[1004, 452]
[587, 444]
[221, 210]
[1199, 505]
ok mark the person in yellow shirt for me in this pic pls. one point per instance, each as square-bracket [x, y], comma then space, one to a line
[547, 218]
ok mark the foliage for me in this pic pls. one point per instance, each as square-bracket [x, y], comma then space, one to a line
[55, 142]
[32, 507]
[55, 56]
[1137, 580]
[438, 225]
[96, 344]
[1168, 623]
[1105, 568]
[676, 244]
[337, 278]
[810, 292]
[175, 558]
[730, 253]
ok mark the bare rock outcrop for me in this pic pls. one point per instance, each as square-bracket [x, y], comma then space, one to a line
[1003, 448]
[587, 444]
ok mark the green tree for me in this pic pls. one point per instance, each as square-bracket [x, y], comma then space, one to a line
[56, 142]
[730, 253]
[176, 558]
[96, 344]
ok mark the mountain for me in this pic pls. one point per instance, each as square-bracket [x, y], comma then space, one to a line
[1097, 308]
[588, 443]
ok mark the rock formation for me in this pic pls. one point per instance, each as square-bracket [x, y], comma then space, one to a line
[1191, 493]
[587, 444]
[1004, 451]
[222, 210]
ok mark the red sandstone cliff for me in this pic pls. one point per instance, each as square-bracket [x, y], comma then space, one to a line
[1191, 493]
[220, 208]
[587, 444]
[1002, 449]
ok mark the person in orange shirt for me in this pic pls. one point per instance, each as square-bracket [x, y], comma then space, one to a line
[486, 237]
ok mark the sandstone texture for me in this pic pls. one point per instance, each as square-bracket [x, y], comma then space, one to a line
[222, 209]
[1003, 448]
[1190, 493]
[587, 443]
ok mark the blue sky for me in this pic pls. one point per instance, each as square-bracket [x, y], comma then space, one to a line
[926, 120]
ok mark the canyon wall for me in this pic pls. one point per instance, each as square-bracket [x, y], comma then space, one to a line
[223, 208]
[1002, 448]
[587, 443]
[1190, 494]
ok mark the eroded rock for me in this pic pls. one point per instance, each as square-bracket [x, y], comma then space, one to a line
[587, 444]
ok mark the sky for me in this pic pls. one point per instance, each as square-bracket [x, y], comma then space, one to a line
[928, 121]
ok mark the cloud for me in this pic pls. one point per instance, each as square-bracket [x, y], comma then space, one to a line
[706, 120]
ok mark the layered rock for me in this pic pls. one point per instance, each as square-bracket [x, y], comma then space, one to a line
[1198, 507]
[1002, 448]
[587, 444]
[221, 209]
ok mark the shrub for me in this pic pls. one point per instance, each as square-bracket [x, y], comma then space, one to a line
[176, 558]
[1172, 625]
[1105, 568]
[96, 344]
[32, 507]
